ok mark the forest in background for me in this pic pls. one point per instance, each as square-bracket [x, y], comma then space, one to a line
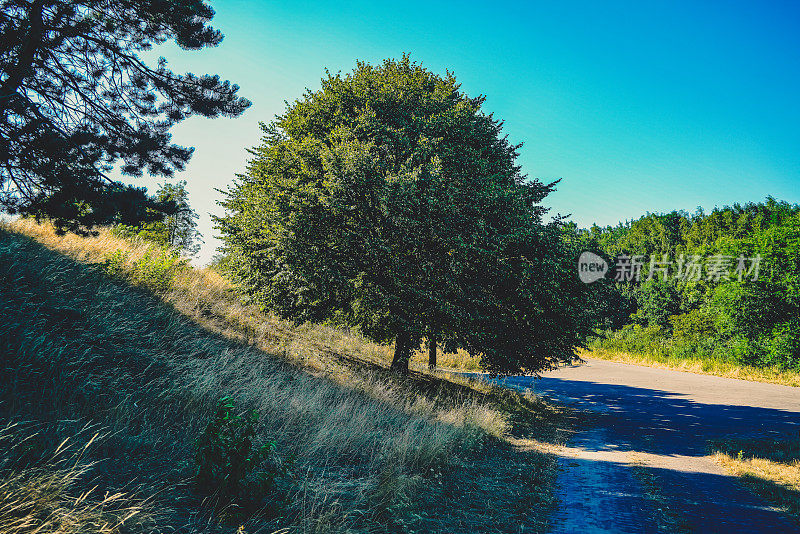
[716, 311]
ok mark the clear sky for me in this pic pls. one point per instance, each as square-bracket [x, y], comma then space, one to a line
[637, 106]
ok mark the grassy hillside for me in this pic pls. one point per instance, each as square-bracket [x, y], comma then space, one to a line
[124, 352]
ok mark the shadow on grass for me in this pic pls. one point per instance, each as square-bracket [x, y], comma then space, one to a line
[79, 347]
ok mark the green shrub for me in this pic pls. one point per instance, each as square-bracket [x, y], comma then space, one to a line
[745, 352]
[694, 327]
[154, 271]
[634, 338]
[693, 335]
[114, 264]
[696, 335]
[157, 271]
[657, 300]
[229, 468]
[783, 347]
[744, 309]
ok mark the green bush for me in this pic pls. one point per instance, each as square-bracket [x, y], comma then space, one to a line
[657, 300]
[694, 326]
[693, 335]
[634, 338]
[745, 352]
[154, 271]
[157, 271]
[691, 349]
[114, 264]
[229, 468]
[744, 309]
[783, 347]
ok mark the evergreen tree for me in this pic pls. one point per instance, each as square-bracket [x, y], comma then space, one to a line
[76, 99]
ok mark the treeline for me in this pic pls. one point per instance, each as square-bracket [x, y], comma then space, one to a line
[723, 285]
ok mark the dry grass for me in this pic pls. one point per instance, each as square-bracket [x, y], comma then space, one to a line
[458, 361]
[373, 452]
[40, 494]
[208, 299]
[705, 367]
[771, 468]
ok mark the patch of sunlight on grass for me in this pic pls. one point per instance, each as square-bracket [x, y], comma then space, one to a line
[771, 468]
[707, 367]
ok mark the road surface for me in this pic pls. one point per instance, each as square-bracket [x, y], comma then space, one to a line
[661, 419]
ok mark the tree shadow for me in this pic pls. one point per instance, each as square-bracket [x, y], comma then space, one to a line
[674, 424]
[676, 430]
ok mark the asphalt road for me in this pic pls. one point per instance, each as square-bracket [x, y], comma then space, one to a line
[662, 420]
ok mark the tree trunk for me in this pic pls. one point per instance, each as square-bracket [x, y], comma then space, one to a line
[402, 353]
[432, 352]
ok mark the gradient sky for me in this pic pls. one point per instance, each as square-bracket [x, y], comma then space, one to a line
[637, 106]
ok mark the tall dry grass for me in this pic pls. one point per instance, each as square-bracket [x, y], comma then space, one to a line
[705, 366]
[372, 452]
[208, 299]
[39, 492]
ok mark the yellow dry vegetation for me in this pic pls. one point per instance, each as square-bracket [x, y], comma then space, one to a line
[371, 451]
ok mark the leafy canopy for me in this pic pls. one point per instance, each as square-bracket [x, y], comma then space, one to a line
[176, 229]
[389, 201]
[754, 322]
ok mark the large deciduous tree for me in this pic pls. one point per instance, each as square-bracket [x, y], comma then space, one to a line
[76, 99]
[387, 200]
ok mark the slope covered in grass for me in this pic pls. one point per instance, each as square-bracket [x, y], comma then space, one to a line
[145, 366]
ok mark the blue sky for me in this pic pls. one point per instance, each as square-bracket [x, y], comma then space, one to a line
[636, 106]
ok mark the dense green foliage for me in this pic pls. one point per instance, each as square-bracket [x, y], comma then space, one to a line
[228, 464]
[175, 229]
[155, 270]
[729, 317]
[389, 201]
[78, 100]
